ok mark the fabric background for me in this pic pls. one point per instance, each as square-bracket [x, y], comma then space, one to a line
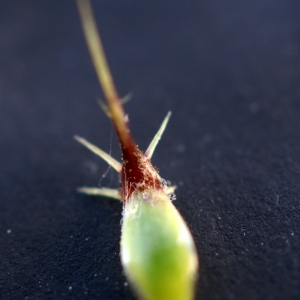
[228, 70]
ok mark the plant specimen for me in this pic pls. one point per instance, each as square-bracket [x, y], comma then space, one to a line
[157, 250]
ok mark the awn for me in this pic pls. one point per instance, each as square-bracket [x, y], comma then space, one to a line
[157, 250]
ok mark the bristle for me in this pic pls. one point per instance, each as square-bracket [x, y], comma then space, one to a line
[149, 152]
[110, 160]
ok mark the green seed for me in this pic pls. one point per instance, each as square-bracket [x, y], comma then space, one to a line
[157, 249]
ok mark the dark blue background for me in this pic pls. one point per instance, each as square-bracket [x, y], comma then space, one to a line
[230, 73]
